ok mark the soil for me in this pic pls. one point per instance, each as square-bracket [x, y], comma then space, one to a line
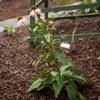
[13, 8]
[83, 25]
[16, 62]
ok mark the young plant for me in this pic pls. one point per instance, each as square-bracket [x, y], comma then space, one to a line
[63, 78]
[51, 52]
[9, 30]
[39, 30]
[51, 55]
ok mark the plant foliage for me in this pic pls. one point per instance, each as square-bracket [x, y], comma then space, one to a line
[63, 74]
[9, 30]
[63, 78]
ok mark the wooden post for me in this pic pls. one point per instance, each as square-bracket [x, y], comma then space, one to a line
[32, 19]
[46, 6]
[98, 1]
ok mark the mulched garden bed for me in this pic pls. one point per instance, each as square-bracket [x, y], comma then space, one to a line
[13, 8]
[84, 25]
[16, 62]
[16, 68]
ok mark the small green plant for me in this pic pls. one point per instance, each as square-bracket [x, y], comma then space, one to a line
[39, 31]
[9, 30]
[51, 52]
[63, 74]
[63, 78]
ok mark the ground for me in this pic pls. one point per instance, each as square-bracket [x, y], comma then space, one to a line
[16, 62]
[9, 9]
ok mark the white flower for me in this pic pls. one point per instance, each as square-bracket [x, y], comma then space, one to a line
[65, 45]
[38, 11]
[32, 13]
[35, 12]
[21, 21]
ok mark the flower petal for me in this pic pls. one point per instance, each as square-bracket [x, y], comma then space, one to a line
[38, 11]
[32, 13]
[22, 22]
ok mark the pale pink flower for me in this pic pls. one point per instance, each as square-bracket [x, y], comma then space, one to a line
[32, 13]
[38, 11]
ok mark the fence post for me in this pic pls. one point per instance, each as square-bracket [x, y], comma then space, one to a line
[98, 1]
[32, 19]
[46, 6]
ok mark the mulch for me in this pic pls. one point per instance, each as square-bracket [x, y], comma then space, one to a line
[13, 8]
[84, 25]
[16, 63]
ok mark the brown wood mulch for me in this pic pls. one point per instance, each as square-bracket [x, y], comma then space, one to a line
[13, 8]
[16, 62]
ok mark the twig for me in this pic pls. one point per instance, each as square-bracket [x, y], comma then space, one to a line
[73, 34]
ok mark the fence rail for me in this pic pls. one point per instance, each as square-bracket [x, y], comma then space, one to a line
[47, 10]
[70, 7]
[77, 36]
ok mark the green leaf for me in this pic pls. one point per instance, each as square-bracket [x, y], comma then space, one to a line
[61, 56]
[54, 73]
[35, 29]
[35, 84]
[70, 64]
[41, 87]
[62, 70]
[81, 96]
[79, 77]
[48, 37]
[57, 86]
[50, 58]
[44, 73]
[71, 90]
[9, 29]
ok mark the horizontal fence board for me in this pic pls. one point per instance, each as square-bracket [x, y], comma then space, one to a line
[77, 36]
[77, 16]
[70, 7]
